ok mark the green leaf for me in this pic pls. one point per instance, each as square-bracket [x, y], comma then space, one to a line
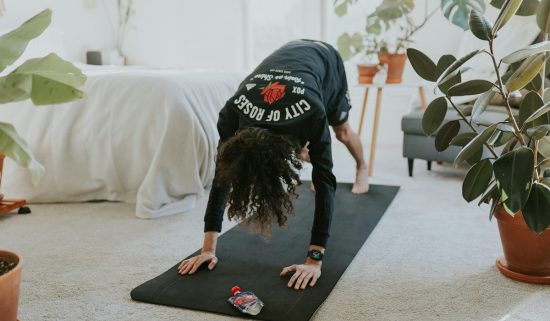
[434, 115]
[504, 139]
[514, 177]
[535, 84]
[456, 79]
[480, 26]
[527, 8]
[471, 87]
[508, 10]
[341, 7]
[490, 193]
[463, 139]
[446, 134]
[527, 52]
[543, 12]
[13, 146]
[422, 64]
[49, 80]
[529, 105]
[477, 180]
[344, 44]
[536, 211]
[538, 132]
[538, 113]
[455, 65]
[481, 104]
[474, 145]
[525, 72]
[457, 11]
[14, 43]
[443, 63]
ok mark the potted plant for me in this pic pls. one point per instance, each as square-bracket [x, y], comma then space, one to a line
[515, 179]
[394, 18]
[46, 81]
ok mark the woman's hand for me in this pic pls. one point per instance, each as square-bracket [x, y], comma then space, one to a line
[191, 265]
[304, 274]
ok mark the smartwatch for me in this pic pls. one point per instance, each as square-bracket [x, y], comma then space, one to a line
[315, 255]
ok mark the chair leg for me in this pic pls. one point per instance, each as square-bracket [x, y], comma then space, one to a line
[411, 163]
[429, 165]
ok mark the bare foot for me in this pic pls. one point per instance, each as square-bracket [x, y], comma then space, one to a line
[312, 187]
[361, 185]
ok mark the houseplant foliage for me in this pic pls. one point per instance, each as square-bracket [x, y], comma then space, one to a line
[45, 81]
[516, 175]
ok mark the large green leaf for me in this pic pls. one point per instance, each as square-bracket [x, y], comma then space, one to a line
[527, 8]
[525, 72]
[542, 111]
[508, 10]
[463, 139]
[477, 180]
[480, 26]
[341, 6]
[13, 146]
[14, 43]
[434, 115]
[514, 177]
[475, 145]
[48, 80]
[443, 63]
[446, 134]
[527, 52]
[538, 132]
[529, 105]
[449, 82]
[457, 11]
[543, 16]
[422, 64]
[471, 87]
[348, 46]
[455, 66]
[536, 211]
[481, 103]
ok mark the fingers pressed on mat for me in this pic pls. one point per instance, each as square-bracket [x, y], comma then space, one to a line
[293, 278]
[300, 280]
[313, 280]
[213, 263]
[196, 266]
[306, 281]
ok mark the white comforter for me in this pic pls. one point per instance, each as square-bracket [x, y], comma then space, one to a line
[143, 136]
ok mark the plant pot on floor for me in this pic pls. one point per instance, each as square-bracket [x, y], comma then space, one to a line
[396, 64]
[366, 73]
[9, 287]
[526, 254]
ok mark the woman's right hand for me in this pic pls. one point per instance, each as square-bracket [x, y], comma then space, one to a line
[191, 265]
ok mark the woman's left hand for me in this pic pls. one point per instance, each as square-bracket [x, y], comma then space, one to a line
[304, 274]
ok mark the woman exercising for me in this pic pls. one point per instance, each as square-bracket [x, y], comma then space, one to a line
[279, 115]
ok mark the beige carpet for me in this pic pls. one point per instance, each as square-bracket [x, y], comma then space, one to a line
[430, 258]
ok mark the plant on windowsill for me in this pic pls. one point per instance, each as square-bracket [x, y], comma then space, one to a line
[45, 81]
[395, 16]
[515, 179]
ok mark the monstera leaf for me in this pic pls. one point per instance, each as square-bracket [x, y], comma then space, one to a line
[457, 11]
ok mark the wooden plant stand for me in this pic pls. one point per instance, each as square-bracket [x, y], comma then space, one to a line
[8, 205]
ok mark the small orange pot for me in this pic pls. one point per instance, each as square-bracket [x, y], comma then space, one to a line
[526, 254]
[396, 64]
[9, 288]
[366, 73]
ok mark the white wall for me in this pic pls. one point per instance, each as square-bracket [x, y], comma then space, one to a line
[220, 34]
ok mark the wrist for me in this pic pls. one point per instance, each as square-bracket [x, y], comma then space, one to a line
[310, 261]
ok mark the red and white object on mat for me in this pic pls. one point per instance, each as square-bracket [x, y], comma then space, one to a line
[246, 302]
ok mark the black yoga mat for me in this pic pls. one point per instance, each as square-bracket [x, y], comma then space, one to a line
[254, 264]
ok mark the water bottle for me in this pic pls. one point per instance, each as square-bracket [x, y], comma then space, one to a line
[246, 302]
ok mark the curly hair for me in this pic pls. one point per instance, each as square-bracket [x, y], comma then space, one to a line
[262, 170]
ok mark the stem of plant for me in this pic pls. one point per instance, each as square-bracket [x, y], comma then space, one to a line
[536, 173]
[461, 114]
[505, 94]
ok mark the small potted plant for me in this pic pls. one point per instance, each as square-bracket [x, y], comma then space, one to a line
[515, 178]
[46, 81]
[393, 18]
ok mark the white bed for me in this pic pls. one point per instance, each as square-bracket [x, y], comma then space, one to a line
[143, 136]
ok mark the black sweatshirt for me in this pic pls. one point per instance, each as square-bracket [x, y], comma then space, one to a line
[291, 93]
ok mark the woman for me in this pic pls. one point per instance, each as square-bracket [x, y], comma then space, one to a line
[280, 113]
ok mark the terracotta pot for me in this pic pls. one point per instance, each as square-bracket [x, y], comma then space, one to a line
[366, 73]
[9, 288]
[383, 58]
[526, 254]
[396, 64]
